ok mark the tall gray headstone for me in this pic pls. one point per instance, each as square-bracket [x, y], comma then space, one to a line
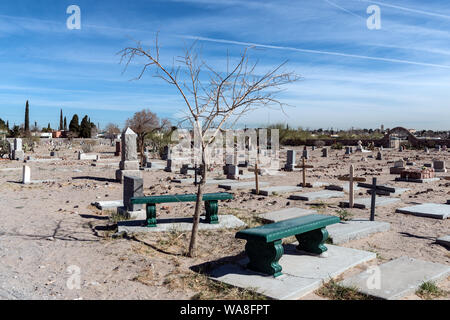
[17, 153]
[290, 163]
[325, 152]
[132, 187]
[129, 164]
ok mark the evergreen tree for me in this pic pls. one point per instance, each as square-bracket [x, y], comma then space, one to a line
[65, 124]
[85, 128]
[73, 125]
[61, 124]
[7, 124]
[27, 118]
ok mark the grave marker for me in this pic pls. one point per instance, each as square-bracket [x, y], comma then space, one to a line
[351, 178]
[374, 187]
[304, 167]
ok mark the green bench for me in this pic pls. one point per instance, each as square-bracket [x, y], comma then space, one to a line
[264, 244]
[210, 199]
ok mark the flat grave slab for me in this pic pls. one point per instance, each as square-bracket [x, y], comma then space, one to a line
[417, 180]
[105, 205]
[398, 278]
[445, 241]
[286, 214]
[212, 181]
[180, 224]
[324, 194]
[355, 229]
[302, 273]
[241, 185]
[428, 210]
[398, 191]
[10, 169]
[277, 190]
[363, 203]
[344, 187]
[43, 160]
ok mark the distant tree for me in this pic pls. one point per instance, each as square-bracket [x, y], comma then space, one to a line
[3, 125]
[73, 125]
[85, 128]
[61, 121]
[7, 125]
[15, 132]
[112, 130]
[143, 123]
[35, 127]
[27, 119]
[65, 124]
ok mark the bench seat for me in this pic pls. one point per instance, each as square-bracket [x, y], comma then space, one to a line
[210, 199]
[264, 244]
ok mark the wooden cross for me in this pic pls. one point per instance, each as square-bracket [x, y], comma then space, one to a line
[304, 167]
[351, 178]
[373, 188]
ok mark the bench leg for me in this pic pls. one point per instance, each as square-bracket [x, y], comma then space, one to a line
[151, 215]
[313, 241]
[212, 208]
[264, 256]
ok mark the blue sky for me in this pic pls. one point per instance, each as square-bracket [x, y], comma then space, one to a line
[351, 76]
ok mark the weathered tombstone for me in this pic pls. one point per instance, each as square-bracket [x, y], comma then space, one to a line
[17, 153]
[291, 160]
[132, 187]
[438, 148]
[232, 172]
[359, 147]
[26, 175]
[313, 148]
[118, 149]
[325, 152]
[129, 165]
[379, 156]
[439, 166]
[427, 150]
[348, 150]
[305, 154]
[398, 168]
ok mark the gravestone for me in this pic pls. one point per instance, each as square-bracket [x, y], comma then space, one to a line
[325, 152]
[132, 187]
[17, 153]
[232, 172]
[348, 150]
[359, 147]
[305, 154]
[398, 168]
[290, 163]
[438, 148]
[118, 149]
[439, 166]
[129, 165]
[379, 156]
[26, 175]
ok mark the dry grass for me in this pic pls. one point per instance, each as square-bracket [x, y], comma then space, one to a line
[334, 291]
[429, 290]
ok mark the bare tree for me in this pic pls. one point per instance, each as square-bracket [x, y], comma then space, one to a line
[112, 131]
[143, 123]
[223, 97]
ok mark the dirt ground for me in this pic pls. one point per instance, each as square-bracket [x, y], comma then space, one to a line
[51, 235]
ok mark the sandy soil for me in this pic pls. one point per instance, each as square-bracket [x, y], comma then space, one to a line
[48, 230]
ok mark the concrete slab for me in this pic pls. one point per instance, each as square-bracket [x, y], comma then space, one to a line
[398, 278]
[10, 169]
[324, 194]
[363, 203]
[277, 190]
[344, 187]
[428, 210]
[445, 241]
[180, 224]
[105, 205]
[355, 229]
[43, 160]
[212, 181]
[417, 180]
[286, 214]
[302, 273]
[241, 185]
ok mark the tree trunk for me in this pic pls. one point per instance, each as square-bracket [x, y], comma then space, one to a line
[198, 207]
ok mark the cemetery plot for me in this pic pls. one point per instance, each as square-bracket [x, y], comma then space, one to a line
[398, 278]
[277, 190]
[286, 214]
[445, 241]
[179, 225]
[355, 229]
[363, 203]
[428, 210]
[310, 196]
[241, 185]
[302, 273]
